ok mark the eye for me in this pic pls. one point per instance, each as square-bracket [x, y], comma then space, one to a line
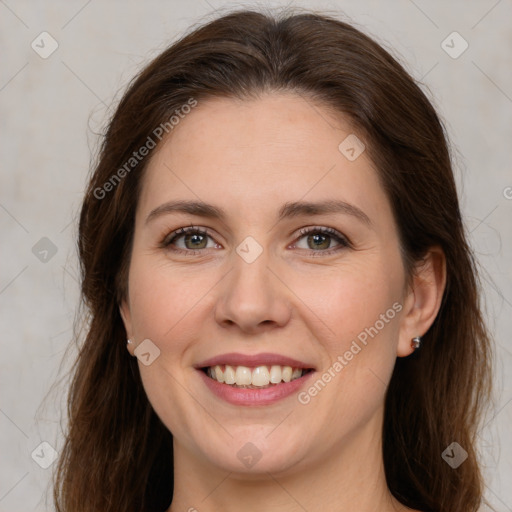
[194, 240]
[321, 238]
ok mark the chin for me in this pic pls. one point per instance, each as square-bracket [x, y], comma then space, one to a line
[255, 454]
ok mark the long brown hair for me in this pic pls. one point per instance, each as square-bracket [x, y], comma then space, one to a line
[117, 454]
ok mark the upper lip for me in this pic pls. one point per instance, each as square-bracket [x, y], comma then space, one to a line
[263, 359]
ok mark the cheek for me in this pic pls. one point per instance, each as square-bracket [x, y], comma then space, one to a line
[351, 298]
[163, 302]
[359, 307]
[163, 297]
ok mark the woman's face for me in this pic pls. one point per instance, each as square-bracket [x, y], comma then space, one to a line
[280, 282]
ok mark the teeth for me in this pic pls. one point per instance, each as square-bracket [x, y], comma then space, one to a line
[229, 374]
[260, 376]
[286, 373]
[296, 373]
[219, 376]
[275, 374]
[243, 376]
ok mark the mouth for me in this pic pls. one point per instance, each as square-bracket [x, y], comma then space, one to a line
[254, 380]
[259, 377]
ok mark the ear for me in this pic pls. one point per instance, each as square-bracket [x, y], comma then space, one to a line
[124, 310]
[423, 299]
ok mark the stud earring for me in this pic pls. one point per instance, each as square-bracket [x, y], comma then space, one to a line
[416, 342]
[128, 342]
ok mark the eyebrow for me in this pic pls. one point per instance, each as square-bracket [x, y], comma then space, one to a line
[288, 210]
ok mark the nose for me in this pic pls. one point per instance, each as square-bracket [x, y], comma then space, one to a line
[253, 297]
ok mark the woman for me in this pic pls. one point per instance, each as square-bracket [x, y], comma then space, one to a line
[283, 305]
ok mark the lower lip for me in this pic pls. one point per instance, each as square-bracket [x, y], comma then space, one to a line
[244, 396]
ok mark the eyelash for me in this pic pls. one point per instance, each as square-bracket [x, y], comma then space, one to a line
[172, 237]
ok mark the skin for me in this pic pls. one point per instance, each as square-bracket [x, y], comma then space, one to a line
[249, 158]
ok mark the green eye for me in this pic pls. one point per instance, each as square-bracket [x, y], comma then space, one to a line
[320, 238]
[195, 240]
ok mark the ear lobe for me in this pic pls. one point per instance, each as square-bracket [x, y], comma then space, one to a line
[424, 299]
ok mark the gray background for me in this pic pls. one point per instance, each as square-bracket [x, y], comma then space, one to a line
[52, 108]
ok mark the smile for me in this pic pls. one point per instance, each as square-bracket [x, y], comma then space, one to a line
[254, 380]
[251, 378]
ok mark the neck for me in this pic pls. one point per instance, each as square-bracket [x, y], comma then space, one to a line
[348, 477]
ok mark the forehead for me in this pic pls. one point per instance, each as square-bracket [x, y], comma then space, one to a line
[253, 155]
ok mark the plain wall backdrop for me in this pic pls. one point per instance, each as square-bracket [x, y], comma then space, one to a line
[54, 100]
